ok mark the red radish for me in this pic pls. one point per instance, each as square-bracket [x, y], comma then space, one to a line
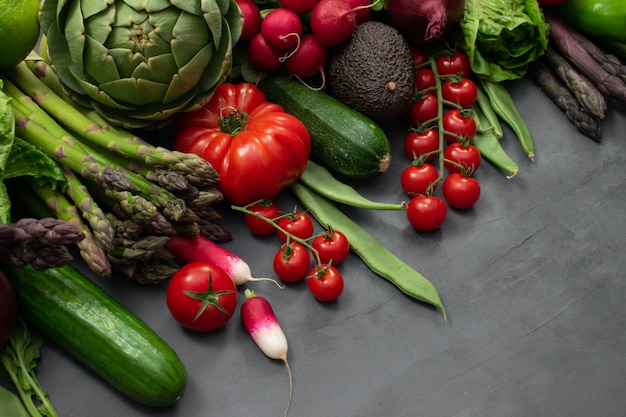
[362, 8]
[333, 21]
[188, 249]
[310, 58]
[251, 19]
[260, 321]
[262, 56]
[282, 29]
[298, 6]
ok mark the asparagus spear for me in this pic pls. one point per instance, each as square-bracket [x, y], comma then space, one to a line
[589, 97]
[609, 62]
[572, 50]
[585, 122]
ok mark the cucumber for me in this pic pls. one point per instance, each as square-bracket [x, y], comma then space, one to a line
[342, 139]
[78, 315]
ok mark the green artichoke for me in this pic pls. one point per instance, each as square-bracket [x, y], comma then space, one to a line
[139, 62]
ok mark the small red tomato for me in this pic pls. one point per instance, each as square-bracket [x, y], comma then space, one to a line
[420, 56]
[461, 158]
[201, 296]
[424, 110]
[258, 226]
[332, 245]
[298, 224]
[422, 144]
[461, 192]
[458, 126]
[292, 262]
[455, 64]
[426, 213]
[462, 92]
[325, 282]
[425, 79]
[419, 179]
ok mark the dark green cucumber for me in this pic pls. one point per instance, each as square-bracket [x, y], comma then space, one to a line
[88, 323]
[343, 139]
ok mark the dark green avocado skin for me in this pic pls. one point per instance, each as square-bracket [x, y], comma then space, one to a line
[373, 72]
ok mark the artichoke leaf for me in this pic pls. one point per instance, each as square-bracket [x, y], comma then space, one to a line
[213, 17]
[189, 75]
[220, 65]
[150, 6]
[100, 65]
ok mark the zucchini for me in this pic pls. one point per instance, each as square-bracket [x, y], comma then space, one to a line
[342, 139]
[78, 315]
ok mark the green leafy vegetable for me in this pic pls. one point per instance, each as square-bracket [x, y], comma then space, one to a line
[502, 37]
[11, 405]
[19, 357]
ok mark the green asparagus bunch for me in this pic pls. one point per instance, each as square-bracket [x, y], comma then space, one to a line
[126, 195]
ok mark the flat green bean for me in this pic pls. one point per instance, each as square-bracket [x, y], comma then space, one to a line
[373, 253]
[321, 180]
[502, 103]
[490, 147]
[491, 118]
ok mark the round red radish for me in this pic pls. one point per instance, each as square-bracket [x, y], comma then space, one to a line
[298, 6]
[262, 56]
[282, 29]
[251, 19]
[362, 9]
[309, 59]
[332, 21]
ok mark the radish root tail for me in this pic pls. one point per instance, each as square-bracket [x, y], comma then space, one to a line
[278, 284]
[290, 386]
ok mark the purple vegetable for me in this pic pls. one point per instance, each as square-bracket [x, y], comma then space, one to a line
[423, 21]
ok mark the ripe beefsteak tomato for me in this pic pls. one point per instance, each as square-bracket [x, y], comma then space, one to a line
[256, 147]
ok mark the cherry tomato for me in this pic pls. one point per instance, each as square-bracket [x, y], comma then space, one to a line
[419, 179]
[458, 125]
[331, 245]
[420, 56]
[462, 92]
[455, 64]
[425, 79]
[292, 262]
[424, 110]
[298, 224]
[467, 156]
[8, 308]
[460, 191]
[265, 208]
[325, 282]
[418, 144]
[426, 212]
[201, 296]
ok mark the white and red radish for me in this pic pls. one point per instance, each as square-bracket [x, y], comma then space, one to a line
[298, 6]
[262, 56]
[188, 249]
[309, 59]
[251, 19]
[262, 325]
[282, 29]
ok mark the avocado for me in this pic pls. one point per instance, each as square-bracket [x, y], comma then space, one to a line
[373, 72]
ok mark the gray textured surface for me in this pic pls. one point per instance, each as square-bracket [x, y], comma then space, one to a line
[532, 279]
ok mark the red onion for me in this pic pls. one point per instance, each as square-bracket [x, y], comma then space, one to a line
[423, 21]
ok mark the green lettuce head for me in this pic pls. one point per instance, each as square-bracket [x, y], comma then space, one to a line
[501, 37]
[138, 62]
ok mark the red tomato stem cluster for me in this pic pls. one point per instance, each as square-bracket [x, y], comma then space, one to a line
[442, 126]
[300, 244]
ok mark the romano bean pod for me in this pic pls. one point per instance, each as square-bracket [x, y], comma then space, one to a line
[488, 143]
[324, 183]
[373, 253]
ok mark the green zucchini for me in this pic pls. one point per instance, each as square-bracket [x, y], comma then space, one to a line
[342, 139]
[82, 318]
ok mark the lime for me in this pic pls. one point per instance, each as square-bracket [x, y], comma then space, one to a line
[19, 30]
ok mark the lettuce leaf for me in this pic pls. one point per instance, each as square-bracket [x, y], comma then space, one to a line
[502, 37]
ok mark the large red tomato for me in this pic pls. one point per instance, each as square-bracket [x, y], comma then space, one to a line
[255, 146]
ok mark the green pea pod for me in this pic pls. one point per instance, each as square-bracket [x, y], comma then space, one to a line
[502, 103]
[490, 116]
[374, 254]
[321, 180]
[489, 145]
